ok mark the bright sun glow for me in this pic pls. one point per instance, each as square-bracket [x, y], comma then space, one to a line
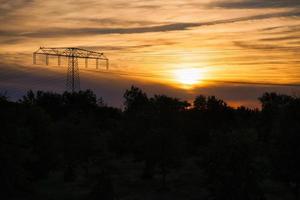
[188, 77]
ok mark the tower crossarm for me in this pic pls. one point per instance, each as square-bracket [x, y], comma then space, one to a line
[71, 52]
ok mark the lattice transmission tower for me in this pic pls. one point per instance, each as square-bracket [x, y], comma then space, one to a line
[72, 54]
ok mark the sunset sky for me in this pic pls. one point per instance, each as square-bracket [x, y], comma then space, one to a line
[234, 49]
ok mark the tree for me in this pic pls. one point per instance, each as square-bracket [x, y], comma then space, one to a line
[285, 146]
[135, 100]
[272, 105]
[273, 101]
[82, 100]
[230, 166]
[200, 103]
[24, 155]
[165, 143]
[152, 130]
[3, 97]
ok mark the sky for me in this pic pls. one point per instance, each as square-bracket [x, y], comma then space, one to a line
[234, 49]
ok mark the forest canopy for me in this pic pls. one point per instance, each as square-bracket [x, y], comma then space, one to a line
[157, 147]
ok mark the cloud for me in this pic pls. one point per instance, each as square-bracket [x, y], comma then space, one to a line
[268, 61]
[266, 50]
[9, 10]
[15, 40]
[115, 48]
[54, 32]
[282, 30]
[259, 46]
[256, 83]
[109, 21]
[67, 32]
[284, 38]
[248, 4]
[8, 6]
[17, 80]
[148, 6]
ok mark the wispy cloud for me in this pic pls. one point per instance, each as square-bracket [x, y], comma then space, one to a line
[67, 32]
[235, 40]
[284, 38]
[258, 46]
[247, 4]
[108, 21]
[8, 6]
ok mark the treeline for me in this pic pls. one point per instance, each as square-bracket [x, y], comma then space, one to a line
[238, 151]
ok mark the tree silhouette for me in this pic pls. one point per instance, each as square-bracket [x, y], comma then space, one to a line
[135, 100]
[49, 139]
[200, 103]
[23, 157]
[286, 149]
[230, 166]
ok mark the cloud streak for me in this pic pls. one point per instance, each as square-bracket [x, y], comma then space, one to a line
[17, 80]
[248, 4]
[239, 41]
[8, 6]
[67, 32]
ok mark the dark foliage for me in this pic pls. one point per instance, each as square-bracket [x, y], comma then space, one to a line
[79, 140]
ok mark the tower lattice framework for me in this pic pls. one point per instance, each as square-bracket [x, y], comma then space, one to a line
[73, 79]
[73, 54]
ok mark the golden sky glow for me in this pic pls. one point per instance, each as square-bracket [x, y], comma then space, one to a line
[188, 77]
[181, 43]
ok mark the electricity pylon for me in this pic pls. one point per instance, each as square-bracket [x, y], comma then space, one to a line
[73, 54]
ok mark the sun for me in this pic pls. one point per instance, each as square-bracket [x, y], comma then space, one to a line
[188, 77]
